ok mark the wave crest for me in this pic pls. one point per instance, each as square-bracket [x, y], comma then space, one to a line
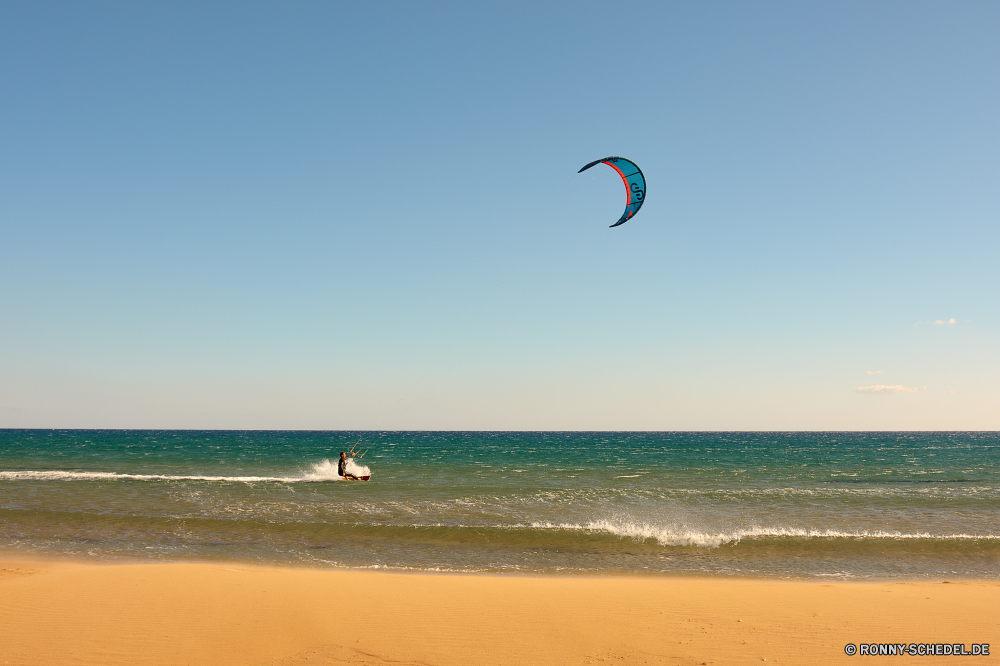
[672, 536]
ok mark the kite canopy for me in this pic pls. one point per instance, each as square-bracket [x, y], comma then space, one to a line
[635, 184]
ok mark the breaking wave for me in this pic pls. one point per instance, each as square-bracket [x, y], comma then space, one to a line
[684, 537]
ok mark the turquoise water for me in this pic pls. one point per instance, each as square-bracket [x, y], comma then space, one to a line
[838, 505]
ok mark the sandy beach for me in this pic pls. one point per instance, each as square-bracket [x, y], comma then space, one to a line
[65, 612]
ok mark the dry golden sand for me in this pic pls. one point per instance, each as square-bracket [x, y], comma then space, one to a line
[55, 612]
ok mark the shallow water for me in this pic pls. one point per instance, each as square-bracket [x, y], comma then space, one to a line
[842, 505]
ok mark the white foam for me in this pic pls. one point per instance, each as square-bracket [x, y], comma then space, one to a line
[357, 470]
[668, 536]
[57, 475]
[322, 471]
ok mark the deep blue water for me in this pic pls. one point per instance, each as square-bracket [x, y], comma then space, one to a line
[844, 505]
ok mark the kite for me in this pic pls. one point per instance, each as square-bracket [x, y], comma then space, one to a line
[635, 184]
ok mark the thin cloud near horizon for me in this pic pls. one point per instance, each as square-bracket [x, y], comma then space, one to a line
[882, 388]
[873, 372]
[941, 322]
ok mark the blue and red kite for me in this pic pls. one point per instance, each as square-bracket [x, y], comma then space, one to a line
[635, 184]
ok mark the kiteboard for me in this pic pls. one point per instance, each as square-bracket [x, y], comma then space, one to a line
[360, 478]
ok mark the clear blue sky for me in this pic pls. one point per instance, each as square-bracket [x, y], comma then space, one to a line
[359, 215]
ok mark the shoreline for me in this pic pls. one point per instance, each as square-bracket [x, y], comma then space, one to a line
[128, 560]
[56, 610]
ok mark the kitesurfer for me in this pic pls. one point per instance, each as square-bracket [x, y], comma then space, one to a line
[342, 467]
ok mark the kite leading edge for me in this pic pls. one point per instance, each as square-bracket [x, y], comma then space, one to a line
[635, 184]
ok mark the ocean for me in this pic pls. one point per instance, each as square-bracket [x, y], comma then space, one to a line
[831, 505]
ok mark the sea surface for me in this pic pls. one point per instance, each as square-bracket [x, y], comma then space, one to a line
[830, 505]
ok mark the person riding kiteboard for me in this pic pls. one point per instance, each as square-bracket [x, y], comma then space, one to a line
[342, 468]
